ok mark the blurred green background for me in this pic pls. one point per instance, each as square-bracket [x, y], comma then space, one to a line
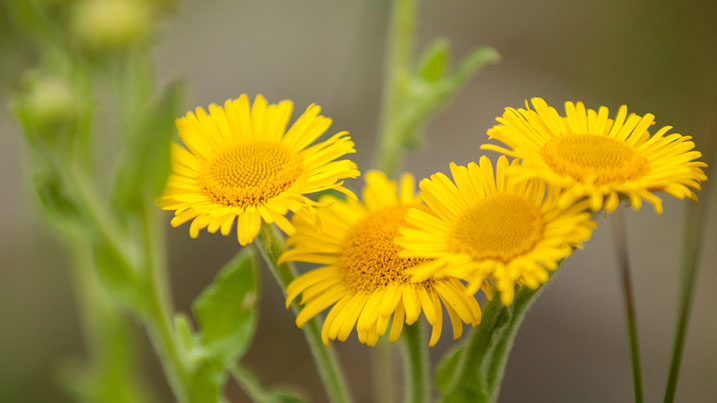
[654, 56]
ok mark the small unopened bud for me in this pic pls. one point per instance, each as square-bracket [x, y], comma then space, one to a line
[51, 100]
[111, 23]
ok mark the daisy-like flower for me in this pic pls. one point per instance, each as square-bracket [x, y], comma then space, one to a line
[485, 226]
[599, 158]
[241, 164]
[363, 276]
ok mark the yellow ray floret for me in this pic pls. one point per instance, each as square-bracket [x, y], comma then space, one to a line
[241, 164]
[363, 279]
[480, 226]
[598, 158]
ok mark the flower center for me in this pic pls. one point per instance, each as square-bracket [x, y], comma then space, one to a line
[249, 174]
[501, 227]
[369, 259]
[585, 155]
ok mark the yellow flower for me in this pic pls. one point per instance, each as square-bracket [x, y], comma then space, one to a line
[242, 164]
[364, 278]
[491, 227]
[596, 157]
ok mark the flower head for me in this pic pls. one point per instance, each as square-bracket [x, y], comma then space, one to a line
[596, 157]
[363, 276]
[241, 164]
[112, 23]
[484, 226]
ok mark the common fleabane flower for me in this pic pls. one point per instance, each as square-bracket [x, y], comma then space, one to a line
[242, 165]
[363, 276]
[480, 226]
[595, 157]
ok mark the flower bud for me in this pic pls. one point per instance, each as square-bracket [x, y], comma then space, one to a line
[107, 24]
[51, 100]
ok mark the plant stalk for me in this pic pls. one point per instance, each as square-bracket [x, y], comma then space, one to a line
[694, 233]
[158, 315]
[399, 54]
[112, 361]
[498, 359]
[416, 364]
[620, 235]
[474, 351]
[270, 245]
[249, 383]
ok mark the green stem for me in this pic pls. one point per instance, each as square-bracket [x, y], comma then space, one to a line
[390, 149]
[416, 364]
[620, 235]
[384, 372]
[249, 383]
[270, 245]
[696, 217]
[112, 368]
[469, 369]
[158, 315]
[484, 355]
[499, 354]
[156, 312]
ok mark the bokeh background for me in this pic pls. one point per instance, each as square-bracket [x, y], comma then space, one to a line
[654, 56]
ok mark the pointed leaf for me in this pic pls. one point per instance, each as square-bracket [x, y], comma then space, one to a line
[434, 61]
[226, 310]
[253, 387]
[116, 273]
[143, 172]
[472, 63]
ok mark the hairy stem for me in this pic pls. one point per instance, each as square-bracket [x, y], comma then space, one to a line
[399, 52]
[416, 364]
[108, 335]
[620, 234]
[474, 351]
[159, 312]
[696, 217]
[498, 359]
[270, 245]
[249, 383]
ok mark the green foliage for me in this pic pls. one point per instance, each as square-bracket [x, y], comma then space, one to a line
[143, 171]
[473, 371]
[447, 367]
[434, 85]
[117, 274]
[435, 60]
[59, 207]
[225, 311]
[259, 393]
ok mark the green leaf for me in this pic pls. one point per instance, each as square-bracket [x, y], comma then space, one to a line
[446, 367]
[143, 171]
[226, 310]
[251, 385]
[435, 60]
[116, 273]
[472, 63]
[59, 207]
[226, 314]
[433, 88]
[183, 329]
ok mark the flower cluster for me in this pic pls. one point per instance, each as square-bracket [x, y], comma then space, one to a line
[393, 255]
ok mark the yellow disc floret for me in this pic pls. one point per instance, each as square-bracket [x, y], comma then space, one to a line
[485, 225]
[242, 165]
[250, 174]
[592, 156]
[369, 259]
[500, 227]
[605, 159]
[364, 278]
